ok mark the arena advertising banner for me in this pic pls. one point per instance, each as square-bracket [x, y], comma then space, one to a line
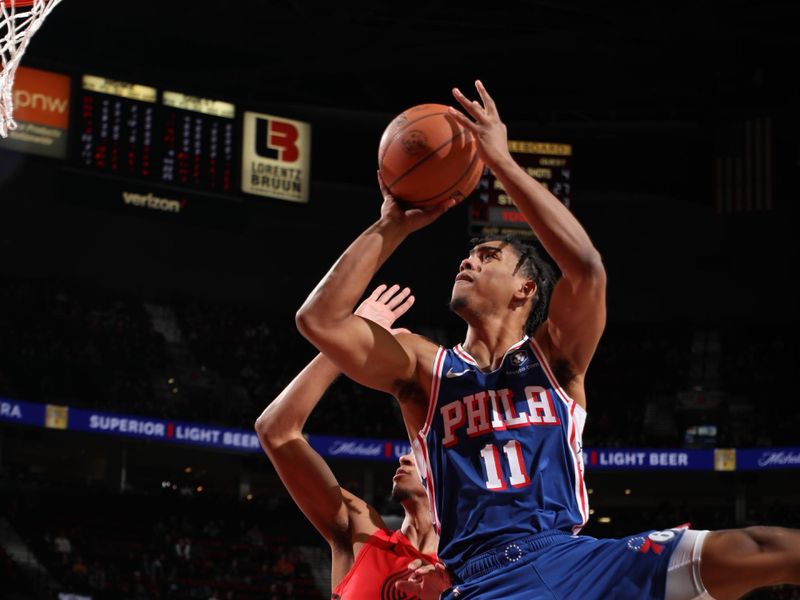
[753, 459]
[41, 110]
[22, 413]
[149, 201]
[67, 418]
[358, 448]
[128, 426]
[163, 430]
[644, 459]
[276, 157]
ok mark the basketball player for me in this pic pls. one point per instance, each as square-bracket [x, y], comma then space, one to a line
[369, 562]
[496, 421]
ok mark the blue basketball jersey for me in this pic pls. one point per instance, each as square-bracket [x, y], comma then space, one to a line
[500, 453]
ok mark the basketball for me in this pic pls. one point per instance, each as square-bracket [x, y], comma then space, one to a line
[425, 156]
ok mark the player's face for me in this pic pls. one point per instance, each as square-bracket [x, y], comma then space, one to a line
[406, 483]
[486, 279]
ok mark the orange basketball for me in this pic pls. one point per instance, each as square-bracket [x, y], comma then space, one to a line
[425, 156]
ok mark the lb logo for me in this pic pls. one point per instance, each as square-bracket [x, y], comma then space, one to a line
[276, 140]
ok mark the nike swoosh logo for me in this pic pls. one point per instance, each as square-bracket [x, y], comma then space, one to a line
[450, 373]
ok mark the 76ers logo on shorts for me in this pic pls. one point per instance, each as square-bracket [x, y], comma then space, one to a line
[276, 139]
[655, 542]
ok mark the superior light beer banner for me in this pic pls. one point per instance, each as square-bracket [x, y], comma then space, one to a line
[41, 109]
[276, 157]
[127, 426]
[339, 447]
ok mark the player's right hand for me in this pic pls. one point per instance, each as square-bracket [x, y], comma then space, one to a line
[410, 218]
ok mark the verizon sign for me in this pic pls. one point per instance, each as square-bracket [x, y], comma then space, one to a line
[153, 202]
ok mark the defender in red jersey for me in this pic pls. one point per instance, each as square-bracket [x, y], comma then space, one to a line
[369, 562]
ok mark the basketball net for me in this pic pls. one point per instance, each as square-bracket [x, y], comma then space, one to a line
[19, 20]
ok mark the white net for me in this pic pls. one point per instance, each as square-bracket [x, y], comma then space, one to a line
[17, 26]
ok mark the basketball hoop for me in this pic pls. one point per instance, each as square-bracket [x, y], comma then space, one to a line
[19, 20]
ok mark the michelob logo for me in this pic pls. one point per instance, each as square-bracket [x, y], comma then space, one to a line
[276, 140]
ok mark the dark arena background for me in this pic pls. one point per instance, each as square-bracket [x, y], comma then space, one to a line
[155, 245]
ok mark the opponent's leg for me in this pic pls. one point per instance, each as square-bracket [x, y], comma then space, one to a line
[736, 561]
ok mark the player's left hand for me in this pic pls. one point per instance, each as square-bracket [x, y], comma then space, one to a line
[426, 581]
[486, 125]
[385, 305]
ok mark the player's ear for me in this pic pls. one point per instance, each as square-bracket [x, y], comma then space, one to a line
[525, 292]
[527, 289]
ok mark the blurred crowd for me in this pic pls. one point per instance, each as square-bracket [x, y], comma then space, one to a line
[108, 546]
[650, 384]
[151, 547]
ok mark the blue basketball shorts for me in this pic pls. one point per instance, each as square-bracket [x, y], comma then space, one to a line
[554, 565]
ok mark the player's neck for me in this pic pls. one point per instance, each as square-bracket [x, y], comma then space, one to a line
[418, 527]
[488, 341]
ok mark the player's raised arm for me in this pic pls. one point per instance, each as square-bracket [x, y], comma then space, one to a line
[577, 308]
[365, 351]
[307, 477]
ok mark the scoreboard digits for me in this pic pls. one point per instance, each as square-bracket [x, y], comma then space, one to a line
[493, 211]
[198, 142]
[180, 140]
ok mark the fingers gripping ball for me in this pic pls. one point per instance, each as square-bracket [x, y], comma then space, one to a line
[425, 156]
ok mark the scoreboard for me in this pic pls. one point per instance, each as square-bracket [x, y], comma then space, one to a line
[172, 138]
[147, 150]
[492, 210]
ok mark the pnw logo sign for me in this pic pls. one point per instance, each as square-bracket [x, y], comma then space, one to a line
[41, 109]
[276, 157]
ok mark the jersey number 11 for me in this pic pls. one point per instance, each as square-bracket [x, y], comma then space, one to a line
[494, 472]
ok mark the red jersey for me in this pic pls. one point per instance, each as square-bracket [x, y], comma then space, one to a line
[382, 560]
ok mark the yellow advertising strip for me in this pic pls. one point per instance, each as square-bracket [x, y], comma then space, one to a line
[207, 106]
[56, 416]
[724, 459]
[123, 89]
[550, 148]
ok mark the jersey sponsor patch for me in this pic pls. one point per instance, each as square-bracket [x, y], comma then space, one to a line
[519, 358]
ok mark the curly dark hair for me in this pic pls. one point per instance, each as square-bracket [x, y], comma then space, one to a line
[534, 262]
